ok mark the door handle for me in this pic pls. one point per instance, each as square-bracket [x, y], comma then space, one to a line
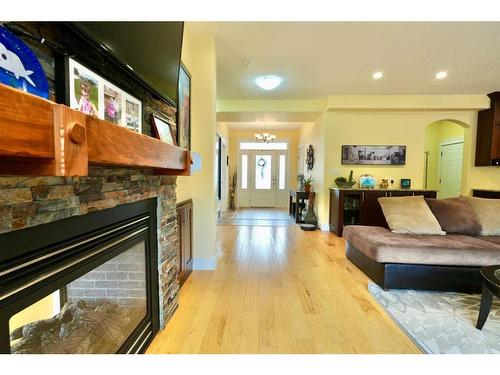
[274, 180]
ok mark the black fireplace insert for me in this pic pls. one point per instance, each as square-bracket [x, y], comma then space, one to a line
[86, 284]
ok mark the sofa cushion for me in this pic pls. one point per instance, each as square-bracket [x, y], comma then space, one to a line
[409, 215]
[493, 239]
[455, 215]
[383, 246]
[488, 213]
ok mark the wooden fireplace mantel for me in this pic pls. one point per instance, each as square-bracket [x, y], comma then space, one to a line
[41, 138]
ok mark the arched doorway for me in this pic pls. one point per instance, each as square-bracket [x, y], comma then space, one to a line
[444, 157]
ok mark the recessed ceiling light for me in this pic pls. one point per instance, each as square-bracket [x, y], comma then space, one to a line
[377, 75]
[441, 75]
[268, 82]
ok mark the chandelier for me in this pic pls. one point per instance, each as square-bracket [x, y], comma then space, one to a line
[264, 137]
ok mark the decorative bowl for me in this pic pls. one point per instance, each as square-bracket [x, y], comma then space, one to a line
[342, 182]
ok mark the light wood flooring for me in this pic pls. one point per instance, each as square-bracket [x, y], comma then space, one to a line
[273, 217]
[279, 290]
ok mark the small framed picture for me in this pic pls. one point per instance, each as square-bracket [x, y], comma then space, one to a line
[405, 183]
[112, 104]
[163, 130]
[84, 89]
[133, 114]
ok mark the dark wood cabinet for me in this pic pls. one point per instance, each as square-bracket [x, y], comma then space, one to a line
[297, 202]
[488, 133]
[361, 207]
[185, 235]
[481, 193]
[370, 210]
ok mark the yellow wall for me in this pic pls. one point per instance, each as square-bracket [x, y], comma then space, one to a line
[42, 309]
[399, 127]
[314, 134]
[435, 134]
[199, 56]
[291, 135]
[223, 131]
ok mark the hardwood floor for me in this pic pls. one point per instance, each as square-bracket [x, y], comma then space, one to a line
[273, 217]
[279, 290]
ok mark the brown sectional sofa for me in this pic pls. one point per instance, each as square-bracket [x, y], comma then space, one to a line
[408, 261]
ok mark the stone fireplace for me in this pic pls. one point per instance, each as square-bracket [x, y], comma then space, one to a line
[134, 284]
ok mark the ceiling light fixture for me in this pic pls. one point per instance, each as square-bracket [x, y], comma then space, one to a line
[441, 75]
[268, 82]
[377, 75]
[264, 137]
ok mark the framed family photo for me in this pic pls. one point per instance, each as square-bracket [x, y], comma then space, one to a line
[84, 86]
[184, 109]
[93, 95]
[163, 130]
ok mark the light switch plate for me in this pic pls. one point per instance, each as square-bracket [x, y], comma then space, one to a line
[196, 158]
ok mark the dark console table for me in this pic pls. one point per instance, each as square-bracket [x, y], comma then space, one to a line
[481, 193]
[361, 207]
[297, 204]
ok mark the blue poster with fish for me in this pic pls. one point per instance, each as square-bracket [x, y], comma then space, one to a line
[19, 66]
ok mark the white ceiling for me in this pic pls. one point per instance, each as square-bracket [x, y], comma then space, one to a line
[317, 59]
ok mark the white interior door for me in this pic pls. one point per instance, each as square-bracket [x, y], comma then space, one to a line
[450, 170]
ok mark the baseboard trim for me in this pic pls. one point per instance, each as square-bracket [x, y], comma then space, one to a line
[324, 227]
[205, 264]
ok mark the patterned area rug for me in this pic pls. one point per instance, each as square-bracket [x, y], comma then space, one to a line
[442, 323]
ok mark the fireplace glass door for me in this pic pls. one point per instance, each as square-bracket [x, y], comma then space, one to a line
[89, 284]
[95, 313]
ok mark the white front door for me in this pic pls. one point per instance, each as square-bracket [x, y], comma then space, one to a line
[450, 170]
[263, 168]
[263, 181]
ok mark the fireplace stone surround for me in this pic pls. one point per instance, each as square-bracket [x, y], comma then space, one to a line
[31, 201]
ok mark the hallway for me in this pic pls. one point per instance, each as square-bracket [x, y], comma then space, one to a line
[272, 217]
[279, 290]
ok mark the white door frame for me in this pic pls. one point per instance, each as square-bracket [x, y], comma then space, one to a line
[243, 197]
[224, 204]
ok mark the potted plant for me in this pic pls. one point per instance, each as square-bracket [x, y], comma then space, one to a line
[307, 184]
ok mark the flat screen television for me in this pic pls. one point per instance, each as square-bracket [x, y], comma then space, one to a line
[152, 50]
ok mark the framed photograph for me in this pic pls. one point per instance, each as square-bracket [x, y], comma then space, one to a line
[373, 155]
[84, 89]
[91, 94]
[112, 104]
[133, 114]
[163, 130]
[405, 183]
[184, 109]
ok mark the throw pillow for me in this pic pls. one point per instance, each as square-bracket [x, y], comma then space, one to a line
[409, 215]
[488, 213]
[455, 215]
